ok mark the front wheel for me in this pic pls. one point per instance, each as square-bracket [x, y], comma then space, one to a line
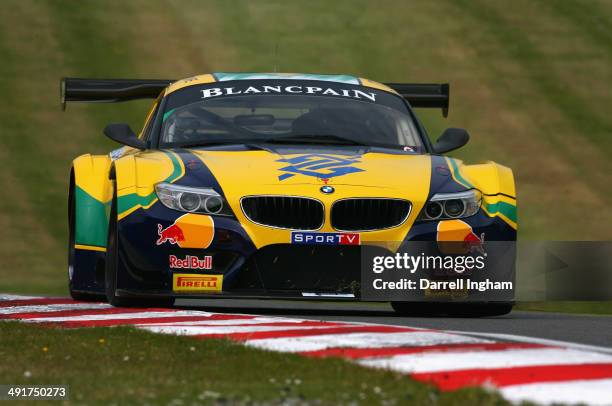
[110, 274]
[452, 309]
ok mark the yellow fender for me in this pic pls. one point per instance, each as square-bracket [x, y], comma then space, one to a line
[495, 181]
[137, 174]
[92, 193]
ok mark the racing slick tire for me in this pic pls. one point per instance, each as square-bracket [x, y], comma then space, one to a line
[110, 271]
[452, 309]
[75, 294]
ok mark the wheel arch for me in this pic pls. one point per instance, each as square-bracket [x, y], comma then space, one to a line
[496, 182]
[492, 178]
[136, 175]
[92, 190]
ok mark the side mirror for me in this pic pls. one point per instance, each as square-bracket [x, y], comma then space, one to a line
[451, 139]
[123, 134]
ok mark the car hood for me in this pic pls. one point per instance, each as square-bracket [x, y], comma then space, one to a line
[352, 172]
[304, 171]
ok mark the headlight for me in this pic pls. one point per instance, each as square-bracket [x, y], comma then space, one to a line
[451, 205]
[192, 200]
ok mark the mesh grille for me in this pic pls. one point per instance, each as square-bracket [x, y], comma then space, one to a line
[298, 213]
[369, 214]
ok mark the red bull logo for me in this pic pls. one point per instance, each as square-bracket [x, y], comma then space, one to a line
[457, 237]
[172, 234]
[188, 231]
[190, 262]
[473, 243]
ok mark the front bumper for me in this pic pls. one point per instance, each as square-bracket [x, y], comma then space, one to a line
[281, 270]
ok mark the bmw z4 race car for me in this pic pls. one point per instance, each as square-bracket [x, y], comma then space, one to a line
[248, 185]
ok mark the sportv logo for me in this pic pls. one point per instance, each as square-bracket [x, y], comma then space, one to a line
[190, 262]
[298, 237]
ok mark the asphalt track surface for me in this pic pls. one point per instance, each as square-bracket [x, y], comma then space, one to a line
[575, 328]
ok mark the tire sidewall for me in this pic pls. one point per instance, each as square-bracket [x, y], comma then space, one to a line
[110, 271]
[71, 237]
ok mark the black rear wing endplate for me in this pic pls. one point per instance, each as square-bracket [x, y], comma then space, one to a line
[424, 95]
[109, 90]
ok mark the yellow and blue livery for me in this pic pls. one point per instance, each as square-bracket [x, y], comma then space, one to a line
[267, 185]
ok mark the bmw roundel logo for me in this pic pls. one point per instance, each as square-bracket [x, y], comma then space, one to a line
[327, 189]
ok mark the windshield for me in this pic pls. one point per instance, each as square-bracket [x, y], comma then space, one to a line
[339, 114]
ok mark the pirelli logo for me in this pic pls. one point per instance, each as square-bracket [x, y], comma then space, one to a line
[197, 283]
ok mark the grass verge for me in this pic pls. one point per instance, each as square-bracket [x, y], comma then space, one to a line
[127, 366]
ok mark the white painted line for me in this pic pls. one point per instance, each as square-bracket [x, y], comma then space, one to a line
[455, 361]
[17, 297]
[53, 308]
[536, 340]
[361, 340]
[196, 330]
[120, 316]
[231, 322]
[592, 392]
[314, 294]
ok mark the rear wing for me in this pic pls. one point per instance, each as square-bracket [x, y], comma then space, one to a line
[109, 90]
[427, 95]
[117, 90]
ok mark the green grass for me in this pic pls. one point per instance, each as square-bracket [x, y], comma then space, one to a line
[530, 83]
[126, 366]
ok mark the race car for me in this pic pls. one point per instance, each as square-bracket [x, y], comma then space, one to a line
[268, 185]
